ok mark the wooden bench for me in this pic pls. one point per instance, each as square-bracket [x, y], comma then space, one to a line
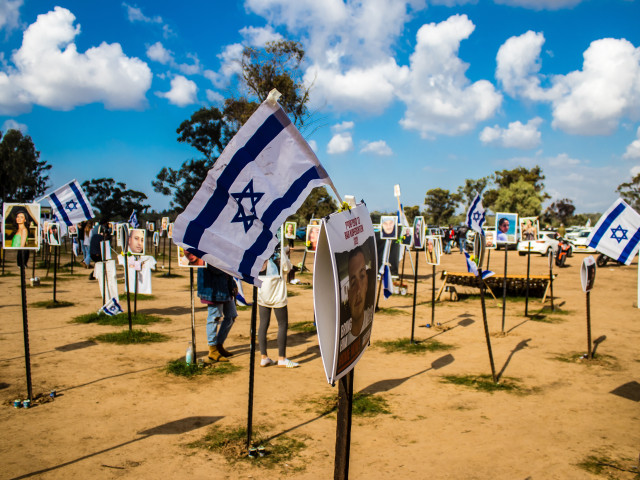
[516, 284]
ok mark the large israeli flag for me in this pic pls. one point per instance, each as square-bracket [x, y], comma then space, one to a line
[476, 215]
[70, 204]
[617, 233]
[263, 175]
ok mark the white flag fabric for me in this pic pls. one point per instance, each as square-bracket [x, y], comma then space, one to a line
[111, 308]
[617, 233]
[263, 175]
[475, 215]
[70, 204]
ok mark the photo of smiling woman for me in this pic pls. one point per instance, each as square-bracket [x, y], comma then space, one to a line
[506, 227]
[21, 226]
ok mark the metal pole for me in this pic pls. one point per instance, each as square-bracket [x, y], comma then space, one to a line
[252, 363]
[404, 257]
[486, 329]
[193, 315]
[135, 296]
[343, 427]
[379, 289]
[164, 245]
[22, 260]
[504, 287]
[589, 352]
[526, 302]
[126, 281]
[169, 257]
[55, 271]
[433, 298]
[104, 274]
[553, 308]
[488, 257]
[415, 294]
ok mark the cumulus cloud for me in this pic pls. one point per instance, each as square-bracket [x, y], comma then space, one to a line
[214, 97]
[591, 101]
[10, 14]
[340, 143]
[635, 170]
[49, 71]
[259, 36]
[183, 92]
[342, 127]
[633, 150]
[540, 4]
[379, 148]
[11, 124]
[438, 96]
[134, 14]
[158, 53]
[516, 135]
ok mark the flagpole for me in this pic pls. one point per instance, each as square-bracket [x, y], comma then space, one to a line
[22, 260]
[415, 294]
[252, 364]
[504, 286]
[193, 316]
[526, 302]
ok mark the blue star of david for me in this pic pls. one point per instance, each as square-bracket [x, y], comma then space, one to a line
[622, 231]
[71, 205]
[477, 216]
[241, 214]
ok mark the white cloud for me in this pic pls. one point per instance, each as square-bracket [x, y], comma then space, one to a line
[540, 4]
[10, 14]
[379, 147]
[439, 97]
[214, 97]
[633, 150]
[259, 36]
[342, 127]
[340, 143]
[158, 53]
[516, 135]
[635, 170]
[183, 92]
[591, 101]
[49, 71]
[230, 65]
[13, 125]
[134, 14]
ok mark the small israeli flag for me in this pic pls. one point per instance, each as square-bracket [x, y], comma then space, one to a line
[133, 220]
[263, 175]
[617, 233]
[473, 268]
[75, 246]
[70, 204]
[475, 215]
[111, 308]
[387, 284]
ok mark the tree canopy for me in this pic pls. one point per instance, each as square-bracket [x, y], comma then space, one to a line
[113, 200]
[630, 192]
[441, 205]
[559, 212]
[23, 177]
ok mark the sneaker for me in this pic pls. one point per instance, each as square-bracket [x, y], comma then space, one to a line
[265, 362]
[286, 363]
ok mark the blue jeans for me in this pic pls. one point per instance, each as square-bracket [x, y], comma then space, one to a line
[225, 311]
[447, 246]
[87, 257]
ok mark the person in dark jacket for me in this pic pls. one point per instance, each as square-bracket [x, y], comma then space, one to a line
[461, 237]
[217, 290]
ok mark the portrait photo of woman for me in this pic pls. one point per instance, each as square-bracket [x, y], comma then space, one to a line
[21, 225]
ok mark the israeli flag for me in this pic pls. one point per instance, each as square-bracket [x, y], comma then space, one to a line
[617, 233]
[111, 308]
[133, 220]
[475, 215]
[75, 246]
[70, 204]
[473, 268]
[240, 295]
[263, 175]
[387, 284]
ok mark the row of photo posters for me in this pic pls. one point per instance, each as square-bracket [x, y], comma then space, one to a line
[165, 227]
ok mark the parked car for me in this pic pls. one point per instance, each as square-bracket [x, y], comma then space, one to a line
[546, 244]
[580, 242]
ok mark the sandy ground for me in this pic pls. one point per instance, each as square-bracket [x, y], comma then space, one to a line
[119, 415]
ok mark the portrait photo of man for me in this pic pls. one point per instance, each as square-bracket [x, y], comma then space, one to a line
[388, 227]
[136, 241]
[188, 259]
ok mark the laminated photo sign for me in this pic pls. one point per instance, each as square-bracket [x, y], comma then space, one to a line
[21, 226]
[506, 227]
[344, 279]
[588, 273]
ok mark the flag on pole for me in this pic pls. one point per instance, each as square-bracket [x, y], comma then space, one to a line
[475, 215]
[133, 220]
[111, 308]
[70, 204]
[75, 246]
[617, 233]
[263, 175]
[473, 268]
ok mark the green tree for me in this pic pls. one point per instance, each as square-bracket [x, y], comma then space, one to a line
[23, 177]
[113, 200]
[318, 204]
[521, 197]
[411, 212]
[204, 132]
[467, 192]
[441, 205]
[504, 179]
[630, 192]
[559, 212]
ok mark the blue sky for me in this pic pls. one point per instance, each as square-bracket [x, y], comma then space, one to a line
[422, 93]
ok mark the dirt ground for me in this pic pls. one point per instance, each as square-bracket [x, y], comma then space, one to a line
[119, 415]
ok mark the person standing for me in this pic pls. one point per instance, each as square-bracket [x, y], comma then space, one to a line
[561, 230]
[448, 238]
[84, 236]
[462, 237]
[272, 295]
[217, 290]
